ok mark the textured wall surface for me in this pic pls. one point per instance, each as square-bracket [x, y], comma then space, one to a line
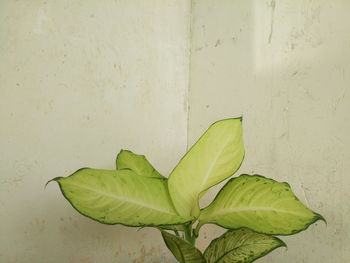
[79, 80]
[285, 66]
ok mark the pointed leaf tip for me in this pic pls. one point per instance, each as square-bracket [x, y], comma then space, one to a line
[320, 217]
[54, 179]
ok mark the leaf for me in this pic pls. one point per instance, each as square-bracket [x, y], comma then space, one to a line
[120, 197]
[174, 227]
[241, 245]
[259, 203]
[140, 165]
[214, 157]
[183, 251]
[137, 163]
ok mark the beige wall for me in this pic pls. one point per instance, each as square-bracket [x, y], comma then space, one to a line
[285, 66]
[79, 80]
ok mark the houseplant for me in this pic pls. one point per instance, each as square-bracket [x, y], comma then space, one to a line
[253, 208]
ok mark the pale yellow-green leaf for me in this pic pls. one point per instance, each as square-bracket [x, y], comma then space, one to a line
[241, 245]
[183, 251]
[137, 163]
[120, 197]
[259, 203]
[214, 157]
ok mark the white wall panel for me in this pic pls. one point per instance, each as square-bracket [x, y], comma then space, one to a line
[79, 80]
[284, 66]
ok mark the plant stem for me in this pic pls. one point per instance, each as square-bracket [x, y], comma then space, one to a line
[196, 231]
[189, 237]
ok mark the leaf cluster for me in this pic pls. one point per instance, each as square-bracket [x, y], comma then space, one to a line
[251, 207]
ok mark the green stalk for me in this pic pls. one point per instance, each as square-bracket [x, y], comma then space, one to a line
[189, 236]
[196, 231]
[177, 233]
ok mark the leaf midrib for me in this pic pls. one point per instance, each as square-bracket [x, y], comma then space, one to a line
[125, 200]
[212, 165]
[237, 210]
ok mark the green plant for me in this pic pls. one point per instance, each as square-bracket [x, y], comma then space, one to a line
[251, 207]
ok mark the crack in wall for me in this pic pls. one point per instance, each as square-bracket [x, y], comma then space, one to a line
[273, 6]
[190, 41]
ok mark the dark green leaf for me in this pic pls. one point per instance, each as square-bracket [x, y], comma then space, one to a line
[183, 251]
[241, 245]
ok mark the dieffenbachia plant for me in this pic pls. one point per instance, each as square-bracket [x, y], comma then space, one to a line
[251, 207]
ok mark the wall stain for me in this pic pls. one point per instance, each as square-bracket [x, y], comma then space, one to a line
[13, 181]
[309, 32]
[234, 40]
[273, 6]
[295, 73]
[218, 42]
[338, 100]
[148, 255]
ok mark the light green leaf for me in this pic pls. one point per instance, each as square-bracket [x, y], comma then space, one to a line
[120, 197]
[137, 163]
[259, 203]
[140, 165]
[241, 245]
[183, 251]
[214, 157]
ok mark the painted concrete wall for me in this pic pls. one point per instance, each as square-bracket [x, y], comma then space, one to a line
[284, 66]
[79, 80]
